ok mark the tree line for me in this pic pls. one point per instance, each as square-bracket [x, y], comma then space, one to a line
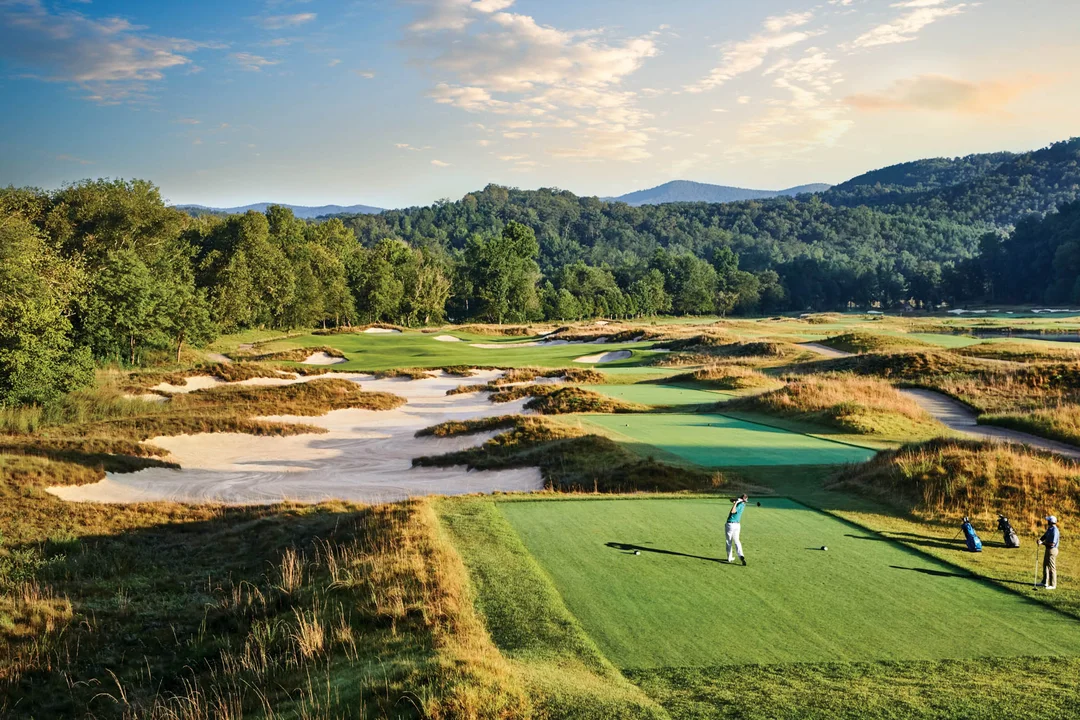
[105, 271]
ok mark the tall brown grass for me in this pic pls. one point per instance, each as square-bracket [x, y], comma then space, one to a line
[948, 479]
[850, 403]
[861, 342]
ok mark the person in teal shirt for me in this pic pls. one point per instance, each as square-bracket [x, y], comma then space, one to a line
[733, 528]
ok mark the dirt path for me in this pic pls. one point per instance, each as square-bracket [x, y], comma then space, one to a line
[825, 350]
[960, 417]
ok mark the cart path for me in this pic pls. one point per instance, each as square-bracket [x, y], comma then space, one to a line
[958, 416]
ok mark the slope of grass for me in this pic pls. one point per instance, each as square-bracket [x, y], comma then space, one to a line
[566, 674]
[1020, 352]
[569, 459]
[851, 404]
[1059, 422]
[725, 377]
[330, 611]
[861, 342]
[948, 479]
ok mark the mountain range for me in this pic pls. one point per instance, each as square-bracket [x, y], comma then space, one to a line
[687, 191]
[301, 211]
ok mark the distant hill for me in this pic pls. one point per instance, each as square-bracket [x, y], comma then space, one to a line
[300, 211]
[686, 191]
[997, 189]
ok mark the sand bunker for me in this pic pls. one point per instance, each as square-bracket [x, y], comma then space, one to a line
[604, 357]
[382, 331]
[447, 338]
[366, 456]
[322, 358]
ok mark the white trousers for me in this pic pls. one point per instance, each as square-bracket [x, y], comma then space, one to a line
[731, 533]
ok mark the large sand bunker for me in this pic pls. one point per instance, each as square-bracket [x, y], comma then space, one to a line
[604, 357]
[382, 331]
[366, 456]
[447, 338]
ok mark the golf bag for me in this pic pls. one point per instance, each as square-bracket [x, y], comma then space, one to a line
[974, 544]
[1009, 535]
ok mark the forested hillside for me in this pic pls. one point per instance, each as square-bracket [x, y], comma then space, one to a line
[105, 271]
[998, 189]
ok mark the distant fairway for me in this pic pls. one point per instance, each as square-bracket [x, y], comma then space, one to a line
[720, 441]
[654, 394]
[675, 605]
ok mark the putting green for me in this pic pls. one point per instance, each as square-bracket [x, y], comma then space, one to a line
[720, 441]
[655, 394]
[677, 605]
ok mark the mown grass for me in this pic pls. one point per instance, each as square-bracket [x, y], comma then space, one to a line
[864, 406]
[945, 480]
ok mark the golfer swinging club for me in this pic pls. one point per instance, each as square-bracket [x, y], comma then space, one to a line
[733, 526]
[1050, 539]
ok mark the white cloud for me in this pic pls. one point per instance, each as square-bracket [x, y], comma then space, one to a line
[254, 63]
[333, 63]
[111, 59]
[188, 121]
[440, 163]
[905, 28]
[745, 56]
[366, 74]
[503, 63]
[413, 148]
[940, 93]
[277, 22]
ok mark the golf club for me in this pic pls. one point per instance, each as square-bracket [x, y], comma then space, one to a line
[1035, 582]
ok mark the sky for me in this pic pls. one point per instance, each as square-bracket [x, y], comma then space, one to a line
[395, 103]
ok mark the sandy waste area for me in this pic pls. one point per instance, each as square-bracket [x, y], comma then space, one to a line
[366, 456]
[604, 357]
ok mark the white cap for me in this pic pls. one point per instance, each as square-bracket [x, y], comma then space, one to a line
[1051, 519]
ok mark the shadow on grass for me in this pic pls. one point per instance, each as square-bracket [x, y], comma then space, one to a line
[628, 548]
[935, 573]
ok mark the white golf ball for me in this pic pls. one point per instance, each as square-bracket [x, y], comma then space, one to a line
[824, 548]
[637, 552]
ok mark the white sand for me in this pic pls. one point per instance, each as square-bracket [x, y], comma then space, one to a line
[322, 358]
[382, 331]
[604, 357]
[366, 456]
[447, 338]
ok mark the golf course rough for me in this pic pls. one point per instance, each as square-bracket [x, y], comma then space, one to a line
[721, 441]
[678, 605]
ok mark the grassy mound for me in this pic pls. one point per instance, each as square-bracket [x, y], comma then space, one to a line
[1007, 389]
[570, 375]
[911, 366]
[571, 460]
[564, 400]
[850, 404]
[724, 377]
[456, 428]
[948, 479]
[862, 342]
[1019, 352]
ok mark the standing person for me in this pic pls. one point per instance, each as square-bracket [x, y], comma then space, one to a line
[1050, 540]
[733, 526]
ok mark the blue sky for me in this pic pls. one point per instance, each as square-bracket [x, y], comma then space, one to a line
[401, 102]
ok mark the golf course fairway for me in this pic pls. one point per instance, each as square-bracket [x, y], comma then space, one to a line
[721, 441]
[677, 605]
